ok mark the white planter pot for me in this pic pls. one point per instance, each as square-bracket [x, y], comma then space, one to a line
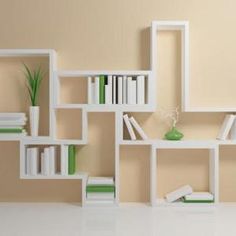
[34, 120]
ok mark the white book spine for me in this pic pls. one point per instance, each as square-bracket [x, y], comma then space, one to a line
[233, 131]
[93, 93]
[28, 161]
[97, 90]
[120, 89]
[46, 161]
[34, 161]
[178, 193]
[129, 127]
[100, 180]
[43, 171]
[129, 90]
[226, 126]
[114, 89]
[64, 160]
[124, 89]
[200, 196]
[109, 85]
[52, 160]
[89, 93]
[141, 89]
[108, 97]
[138, 128]
[133, 92]
[100, 196]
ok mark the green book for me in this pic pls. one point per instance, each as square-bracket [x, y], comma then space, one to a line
[102, 89]
[71, 160]
[100, 188]
[11, 130]
[198, 201]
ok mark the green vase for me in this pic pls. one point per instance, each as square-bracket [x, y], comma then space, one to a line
[173, 134]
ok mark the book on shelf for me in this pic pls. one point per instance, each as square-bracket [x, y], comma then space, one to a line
[124, 89]
[71, 159]
[90, 91]
[32, 167]
[100, 196]
[45, 160]
[102, 89]
[226, 127]
[100, 180]
[131, 91]
[120, 89]
[141, 89]
[138, 128]
[100, 188]
[179, 193]
[108, 90]
[129, 127]
[114, 90]
[64, 160]
[233, 131]
[97, 90]
[199, 197]
[52, 160]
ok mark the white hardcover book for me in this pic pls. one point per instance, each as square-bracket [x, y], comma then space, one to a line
[43, 171]
[34, 161]
[179, 193]
[89, 92]
[141, 89]
[226, 126]
[233, 131]
[138, 128]
[52, 160]
[129, 127]
[120, 89]
[28, 161]
[64, 160]
[131, 91]
[124, 89]
[12, 122]
[100, 181]
[46, 161]
[96, 90]
[114, 90]
[12, 116]
[199, 196]
[109, 88]
[108, 93]
[93, 93]
[100, 196]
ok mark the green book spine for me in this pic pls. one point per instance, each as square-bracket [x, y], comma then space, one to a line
[198, 201]
[100, 189]
[102, 89]
[71, 160]
[9, 130]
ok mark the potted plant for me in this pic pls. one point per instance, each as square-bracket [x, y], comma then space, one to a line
[173, 133]
[33, 80]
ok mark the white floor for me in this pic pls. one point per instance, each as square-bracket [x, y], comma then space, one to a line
[19, 219]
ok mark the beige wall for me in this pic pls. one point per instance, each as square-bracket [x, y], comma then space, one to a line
[109, 34]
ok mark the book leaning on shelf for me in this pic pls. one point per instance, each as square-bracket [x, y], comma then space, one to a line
[12, 124]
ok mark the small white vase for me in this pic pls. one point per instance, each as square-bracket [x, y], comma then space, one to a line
[34, 120]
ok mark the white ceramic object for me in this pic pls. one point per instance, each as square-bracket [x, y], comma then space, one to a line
[34, 120]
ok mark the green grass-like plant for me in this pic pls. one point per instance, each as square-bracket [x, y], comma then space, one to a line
[33, 79]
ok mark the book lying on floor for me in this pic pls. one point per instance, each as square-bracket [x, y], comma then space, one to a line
[179, 193]
[199, 197]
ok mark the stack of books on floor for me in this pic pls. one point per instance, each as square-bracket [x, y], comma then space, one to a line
[100, 189]
[116, 89]
[45, 166]
[12, 124]
[132, 127]
[68, 160]
[186, 195]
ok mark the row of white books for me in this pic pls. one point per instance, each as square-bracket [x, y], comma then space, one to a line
[187, 195]
[12, 124]
[132, 126]
[116, 89]
[45, 164]
[228, 128]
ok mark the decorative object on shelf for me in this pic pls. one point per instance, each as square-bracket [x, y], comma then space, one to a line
[173, 134]
[34, 79]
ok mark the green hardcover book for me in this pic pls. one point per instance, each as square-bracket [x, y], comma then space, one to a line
[11, 130]
[100, 189]
[198, 201]
[71, 160]
[102, 89]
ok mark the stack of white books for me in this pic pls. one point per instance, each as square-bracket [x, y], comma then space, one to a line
[116, 89]
[100, 188]
[12, 124]
[132, 127]
[47, 163]
[186, 195]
